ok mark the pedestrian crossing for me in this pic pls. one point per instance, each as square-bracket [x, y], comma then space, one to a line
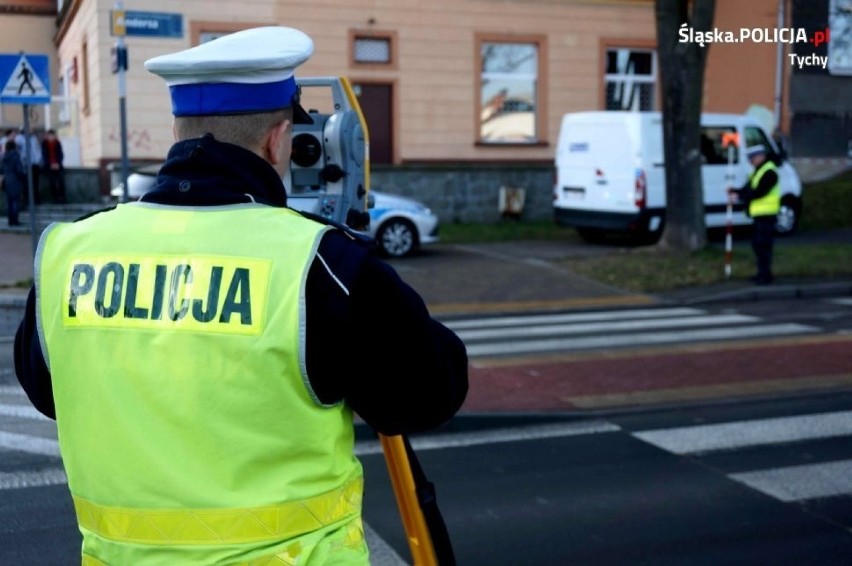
[575, 332]
[811, 462]
[790, 482]
[23, 429]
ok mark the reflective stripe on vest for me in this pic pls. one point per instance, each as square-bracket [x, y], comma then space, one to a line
[294, 555]
[227, 526]
[770, 203]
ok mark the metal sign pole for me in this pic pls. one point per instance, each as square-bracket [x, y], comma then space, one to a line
[28, 165]
[30, 72]
[122, 111]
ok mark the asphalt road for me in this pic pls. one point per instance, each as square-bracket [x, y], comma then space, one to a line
[728, 484]
[603, 495]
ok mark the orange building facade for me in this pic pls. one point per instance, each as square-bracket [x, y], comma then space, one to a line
[446, 81]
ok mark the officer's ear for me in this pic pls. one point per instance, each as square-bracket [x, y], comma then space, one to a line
[276, 143]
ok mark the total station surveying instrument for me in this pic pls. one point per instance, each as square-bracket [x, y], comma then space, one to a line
[330, 178]
[330, 160]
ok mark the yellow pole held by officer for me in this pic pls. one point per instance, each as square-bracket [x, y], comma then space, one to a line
[416, 531]
[730, 141]
[396, 457]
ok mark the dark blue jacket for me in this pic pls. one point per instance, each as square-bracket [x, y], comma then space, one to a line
[14, 176]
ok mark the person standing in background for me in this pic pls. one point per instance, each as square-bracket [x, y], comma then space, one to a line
[7, 135]
[35, 164]
[14, 180]
[761, 193]
[52, 158]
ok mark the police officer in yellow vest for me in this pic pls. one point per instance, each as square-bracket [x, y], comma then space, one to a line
[203, 349]
[762, 195]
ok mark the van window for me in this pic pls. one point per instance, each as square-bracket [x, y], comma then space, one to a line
[712, 151]
[755, 136]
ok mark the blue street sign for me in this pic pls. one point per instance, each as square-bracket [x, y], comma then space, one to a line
[147, 24]
[24, 79]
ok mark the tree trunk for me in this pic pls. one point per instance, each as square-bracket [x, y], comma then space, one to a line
[682, 75]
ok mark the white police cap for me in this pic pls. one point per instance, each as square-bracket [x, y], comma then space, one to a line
[758, 149]
[243, 72]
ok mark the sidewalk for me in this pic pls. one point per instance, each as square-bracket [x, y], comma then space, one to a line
[16, 261]
[493, 278]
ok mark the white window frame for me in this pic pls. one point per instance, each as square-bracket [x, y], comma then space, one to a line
[534, 79]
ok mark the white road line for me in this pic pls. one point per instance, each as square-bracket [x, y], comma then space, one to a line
[742, 434]
[20, 480]
[637, 339]
[30, 444]
[570, 317]
[22, 412]
[495, 436]
[588, 328]
[845, 301]
[12, 390]
[798, 483]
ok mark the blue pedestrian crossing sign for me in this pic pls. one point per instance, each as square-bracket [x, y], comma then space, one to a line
[25, 79]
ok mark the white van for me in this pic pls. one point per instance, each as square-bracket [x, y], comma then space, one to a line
[610, 174]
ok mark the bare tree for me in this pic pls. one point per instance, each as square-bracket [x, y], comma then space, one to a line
[682, 65]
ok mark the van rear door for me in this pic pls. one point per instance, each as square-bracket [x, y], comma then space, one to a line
[595, 166]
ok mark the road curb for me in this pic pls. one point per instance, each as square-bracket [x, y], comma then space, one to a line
[506, 307]
[752, 294]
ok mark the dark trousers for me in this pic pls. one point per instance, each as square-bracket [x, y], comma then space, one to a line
[35, 172]
[762, 239]
[56, 181]
[13, 205]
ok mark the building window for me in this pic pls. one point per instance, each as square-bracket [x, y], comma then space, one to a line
[202, 32]
[840, 37]
[509, 91]
[630, 79]
[206, 36]
[372, 49]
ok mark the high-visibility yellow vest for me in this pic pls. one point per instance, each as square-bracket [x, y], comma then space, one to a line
[188, 428]
[769, 204]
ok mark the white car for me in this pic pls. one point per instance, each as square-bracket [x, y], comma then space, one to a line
[399, 225]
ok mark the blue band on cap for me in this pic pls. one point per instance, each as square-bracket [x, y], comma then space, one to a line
[206, 99]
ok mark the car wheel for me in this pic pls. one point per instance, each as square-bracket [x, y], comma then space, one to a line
[397, 237]
[788, 216]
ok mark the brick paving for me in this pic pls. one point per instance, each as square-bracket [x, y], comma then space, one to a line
[647, 377]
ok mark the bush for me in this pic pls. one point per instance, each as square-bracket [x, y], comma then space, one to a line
[828, 204]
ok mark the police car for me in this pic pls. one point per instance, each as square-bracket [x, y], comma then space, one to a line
[400, 225]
